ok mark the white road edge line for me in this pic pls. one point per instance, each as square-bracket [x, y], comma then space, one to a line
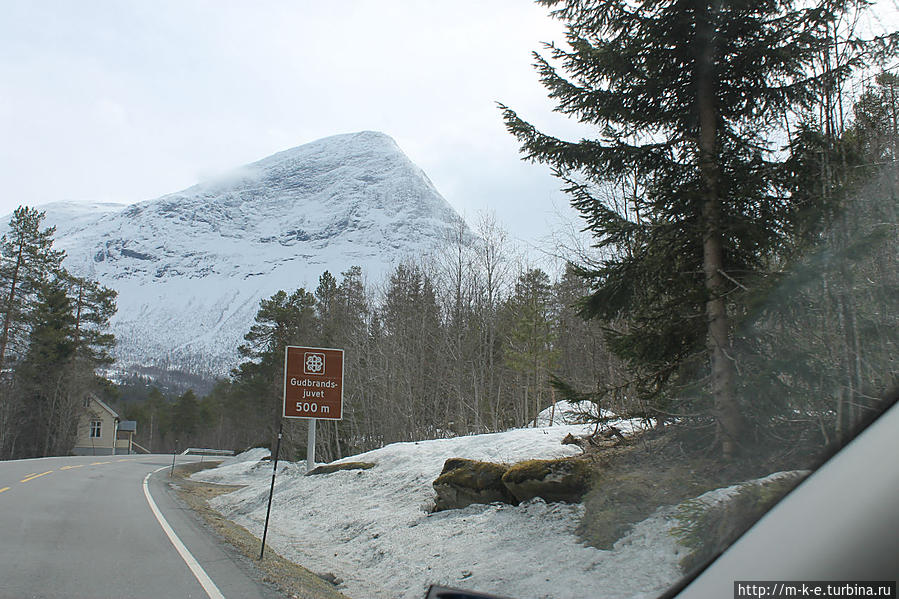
[198, 571]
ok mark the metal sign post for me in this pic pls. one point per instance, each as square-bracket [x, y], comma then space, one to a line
[310, 446]
[313, 388]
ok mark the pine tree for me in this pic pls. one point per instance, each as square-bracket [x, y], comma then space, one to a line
[92, 305]
[52, 341]
[156, 422]
[685, 95]
[27, 258]
[282, 320]
[585, 361]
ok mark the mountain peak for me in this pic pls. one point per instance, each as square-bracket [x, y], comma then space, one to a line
[191, 266]
[345, 144]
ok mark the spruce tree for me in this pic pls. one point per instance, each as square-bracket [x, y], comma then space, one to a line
[530, 337]
[682, 189]
[187, 417]
[326, 295]
[834, 327]
[412, 375]
[44, 379]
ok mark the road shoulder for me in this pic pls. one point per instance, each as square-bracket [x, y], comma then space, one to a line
[289, 578]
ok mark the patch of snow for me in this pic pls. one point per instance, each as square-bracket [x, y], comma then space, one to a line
[565, 413]
[375, 530]
[717, 496]
[251, 455]
[247, 471]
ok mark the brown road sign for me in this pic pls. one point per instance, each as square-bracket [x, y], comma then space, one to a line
[313, 383]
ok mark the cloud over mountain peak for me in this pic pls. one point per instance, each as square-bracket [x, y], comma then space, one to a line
[191, 266]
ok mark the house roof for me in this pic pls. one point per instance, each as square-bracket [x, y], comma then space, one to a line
[104, 406]
[128, 426]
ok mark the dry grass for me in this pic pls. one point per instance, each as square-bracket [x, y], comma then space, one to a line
[292, 579]
[655, 469]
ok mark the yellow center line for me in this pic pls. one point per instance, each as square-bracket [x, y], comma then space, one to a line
[125, 460]
[4, 489]
[34, 476]
[70, 467]
[96, 463]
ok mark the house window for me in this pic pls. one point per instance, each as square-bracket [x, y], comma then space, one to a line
[95, 429]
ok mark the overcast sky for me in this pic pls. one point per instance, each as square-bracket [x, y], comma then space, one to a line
[125, 101]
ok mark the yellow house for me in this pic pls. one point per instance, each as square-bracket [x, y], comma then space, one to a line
[98, 430]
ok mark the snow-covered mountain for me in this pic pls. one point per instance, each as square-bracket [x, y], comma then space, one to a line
[191, 267]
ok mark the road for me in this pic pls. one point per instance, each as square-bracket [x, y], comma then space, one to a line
[83, 527]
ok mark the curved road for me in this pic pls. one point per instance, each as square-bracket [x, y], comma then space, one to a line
[82, 527]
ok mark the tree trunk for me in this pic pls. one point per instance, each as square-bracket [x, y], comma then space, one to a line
[10, 303]
[726, 411]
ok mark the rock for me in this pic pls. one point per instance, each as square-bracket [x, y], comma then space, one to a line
[564, 479]
[463, 482]
[329, 468]
[330, 577]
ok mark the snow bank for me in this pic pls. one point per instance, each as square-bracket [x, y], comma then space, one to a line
[724, 494]
[565, 413]
[251, 455]
[374, 528]
[243, 469]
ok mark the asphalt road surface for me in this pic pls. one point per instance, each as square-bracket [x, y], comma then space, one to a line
[83, 527]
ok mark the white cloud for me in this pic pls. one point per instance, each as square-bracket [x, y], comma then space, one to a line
[130, 100]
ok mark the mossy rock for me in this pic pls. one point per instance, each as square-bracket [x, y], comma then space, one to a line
[329, 468]
[565, 479]
[463, 482]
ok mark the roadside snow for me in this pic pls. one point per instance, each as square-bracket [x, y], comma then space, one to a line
[250, 455]
[241, 469]
[724, 494]
[374, 528]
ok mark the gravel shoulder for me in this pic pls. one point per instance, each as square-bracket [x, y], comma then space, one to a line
[295, 581]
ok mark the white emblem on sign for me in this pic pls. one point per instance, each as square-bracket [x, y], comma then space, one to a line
[313, 363]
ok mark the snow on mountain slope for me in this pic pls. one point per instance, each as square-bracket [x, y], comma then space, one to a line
[191, 267]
